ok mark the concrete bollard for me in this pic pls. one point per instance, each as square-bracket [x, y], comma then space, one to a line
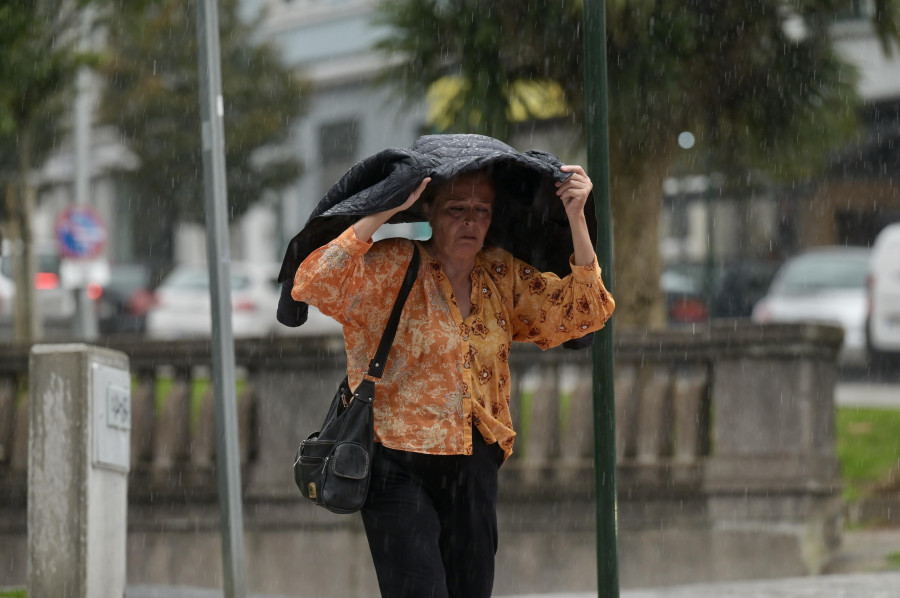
[79, 445]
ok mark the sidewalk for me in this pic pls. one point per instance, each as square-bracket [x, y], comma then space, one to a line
[870, 395]
[861, 585]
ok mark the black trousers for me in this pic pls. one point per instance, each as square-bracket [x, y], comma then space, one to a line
[431, 522]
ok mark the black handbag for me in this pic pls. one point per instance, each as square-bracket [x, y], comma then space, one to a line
[333, 465]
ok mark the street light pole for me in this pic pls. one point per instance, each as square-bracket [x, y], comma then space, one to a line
[597, 125]
[85, 322]
[218, 256]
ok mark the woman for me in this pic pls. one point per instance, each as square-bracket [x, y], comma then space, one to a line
[442, 419]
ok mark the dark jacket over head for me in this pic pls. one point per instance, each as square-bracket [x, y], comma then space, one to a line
[529, 220]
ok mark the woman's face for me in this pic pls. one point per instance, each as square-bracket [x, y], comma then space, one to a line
[461, 214]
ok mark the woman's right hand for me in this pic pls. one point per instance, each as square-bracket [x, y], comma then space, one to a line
[414, 196]
[366, 226]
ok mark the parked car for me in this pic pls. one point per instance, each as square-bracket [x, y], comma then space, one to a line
[56, 303]
[823, 285]
[737, 286]
[182, 304]
[883, 323]
[740, 284]
[7, 298]
[123, 302]
[685, 300]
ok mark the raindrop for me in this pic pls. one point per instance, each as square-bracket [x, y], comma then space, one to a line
[686, 140]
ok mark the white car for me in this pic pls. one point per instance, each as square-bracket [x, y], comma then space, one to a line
[182, 305]
[7, 297]
[883, 329]
[825, 285]
[55, 302]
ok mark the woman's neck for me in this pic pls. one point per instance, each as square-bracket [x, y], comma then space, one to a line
[455, 267]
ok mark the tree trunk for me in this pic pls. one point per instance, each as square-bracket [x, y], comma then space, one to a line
[27, 321]
[636, 199]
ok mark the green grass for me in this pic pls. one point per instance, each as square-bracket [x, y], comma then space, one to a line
[13, 593]
[868, 448]
[893, 560]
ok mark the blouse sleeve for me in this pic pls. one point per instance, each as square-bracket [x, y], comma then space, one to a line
[337, 276]
[549, 310]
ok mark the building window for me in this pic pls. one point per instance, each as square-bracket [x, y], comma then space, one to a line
[338, 140]
[338, 146]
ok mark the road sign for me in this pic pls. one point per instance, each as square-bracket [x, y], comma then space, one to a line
[80, 232]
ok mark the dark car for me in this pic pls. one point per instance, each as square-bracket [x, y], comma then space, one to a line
[685, 300]
[740, 285]
[123, 302]
[737, 286]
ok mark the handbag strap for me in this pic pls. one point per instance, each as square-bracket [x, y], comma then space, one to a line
[376, 366]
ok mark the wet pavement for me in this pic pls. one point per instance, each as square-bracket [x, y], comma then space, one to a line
[869, 585]
[859, 585]
[861, 394]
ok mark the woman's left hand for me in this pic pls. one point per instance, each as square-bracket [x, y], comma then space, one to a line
[574, 190]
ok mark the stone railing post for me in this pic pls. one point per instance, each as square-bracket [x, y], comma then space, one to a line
[774, 404]
[773, 463]
[79, 445]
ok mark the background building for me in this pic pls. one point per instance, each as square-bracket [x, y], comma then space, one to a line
[330, 43]
[849, 204]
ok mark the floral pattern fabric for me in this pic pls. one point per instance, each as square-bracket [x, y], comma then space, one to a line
[445, 374]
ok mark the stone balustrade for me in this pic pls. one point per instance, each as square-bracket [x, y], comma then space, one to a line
[724, 441]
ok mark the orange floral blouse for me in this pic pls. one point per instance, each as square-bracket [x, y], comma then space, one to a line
[445, 374]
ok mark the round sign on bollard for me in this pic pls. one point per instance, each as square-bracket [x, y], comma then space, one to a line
[80, 232]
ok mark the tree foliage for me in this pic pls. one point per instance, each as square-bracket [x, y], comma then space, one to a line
[758, 83]
[39, 45]
[152, 97]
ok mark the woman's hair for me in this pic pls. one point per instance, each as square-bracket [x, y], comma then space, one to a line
[432, 191]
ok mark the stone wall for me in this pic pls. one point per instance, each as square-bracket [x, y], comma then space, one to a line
[725, 452]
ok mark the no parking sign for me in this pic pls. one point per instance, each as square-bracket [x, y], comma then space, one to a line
[80, 233]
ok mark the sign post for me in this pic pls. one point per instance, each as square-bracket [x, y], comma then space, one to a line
[81, 240]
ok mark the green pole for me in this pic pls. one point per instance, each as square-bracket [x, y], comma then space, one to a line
[597, 134]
